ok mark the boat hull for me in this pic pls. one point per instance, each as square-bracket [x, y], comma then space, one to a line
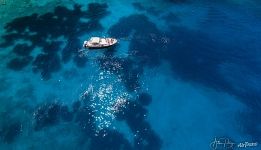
[103, 43]
[104, 47]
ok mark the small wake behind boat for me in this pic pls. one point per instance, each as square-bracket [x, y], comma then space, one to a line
[97, 42]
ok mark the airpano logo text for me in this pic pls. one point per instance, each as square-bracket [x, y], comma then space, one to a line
[247, 144]
[228, 144]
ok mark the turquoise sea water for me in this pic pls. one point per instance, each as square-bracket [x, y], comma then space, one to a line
[183, 74]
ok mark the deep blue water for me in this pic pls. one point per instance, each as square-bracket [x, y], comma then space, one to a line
[183, 74]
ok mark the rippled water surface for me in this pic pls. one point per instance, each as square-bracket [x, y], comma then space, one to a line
[183, 74]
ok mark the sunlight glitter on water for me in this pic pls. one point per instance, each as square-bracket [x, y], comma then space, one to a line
[106, 99]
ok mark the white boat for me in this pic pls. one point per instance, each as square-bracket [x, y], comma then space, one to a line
[98, 42]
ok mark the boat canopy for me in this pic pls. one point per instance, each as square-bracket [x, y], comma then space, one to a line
[95, 40]
[103, 41]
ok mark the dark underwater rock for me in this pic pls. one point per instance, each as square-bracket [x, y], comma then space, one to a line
[18, 64]
[144, 99]
[65, 114]
[46, 64]
[86, 121]
[23, 49]
[134, 114]
[46, 115]
[125, 69]
[76, 105]
[10, 132]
